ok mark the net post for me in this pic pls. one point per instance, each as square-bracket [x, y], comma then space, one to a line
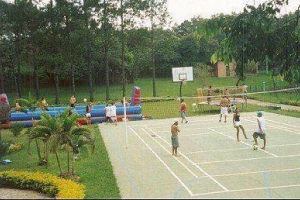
[125, 121]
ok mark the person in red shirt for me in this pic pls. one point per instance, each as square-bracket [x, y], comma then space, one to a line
[183, 111]
[3, 100]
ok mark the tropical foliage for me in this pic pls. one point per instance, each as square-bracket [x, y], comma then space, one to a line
[48, 184]
[58, 134]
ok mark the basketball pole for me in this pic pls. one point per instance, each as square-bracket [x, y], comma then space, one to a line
[180, 88]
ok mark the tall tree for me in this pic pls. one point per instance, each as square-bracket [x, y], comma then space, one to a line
[130, 12]
[157, 14]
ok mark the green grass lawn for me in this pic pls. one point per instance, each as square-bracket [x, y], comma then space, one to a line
[164, 88]
[95, 171]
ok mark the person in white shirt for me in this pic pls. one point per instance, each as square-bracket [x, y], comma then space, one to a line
[113, 113]
[107, 113]
[261, 129]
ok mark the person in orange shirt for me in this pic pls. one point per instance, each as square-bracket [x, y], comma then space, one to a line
[3, 100]
[183, 111]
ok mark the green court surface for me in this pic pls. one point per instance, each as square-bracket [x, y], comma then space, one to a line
[212, 164]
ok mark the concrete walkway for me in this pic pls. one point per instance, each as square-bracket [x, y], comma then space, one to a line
[9, 193]
[283, 106]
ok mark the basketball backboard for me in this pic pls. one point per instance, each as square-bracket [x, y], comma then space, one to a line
[180, 74]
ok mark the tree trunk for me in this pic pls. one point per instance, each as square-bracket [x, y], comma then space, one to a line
[68, 162]
[58, 163]
[123, 52]
[36, 81]
[106, 50]
[19, 80]
[153, 60]
[56, 87]
[89, 58]
[1, 73]
[38, 150]
[73, 79]
[18, 76]
[91, 80]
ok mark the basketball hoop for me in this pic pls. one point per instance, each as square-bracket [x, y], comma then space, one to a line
[184, 82]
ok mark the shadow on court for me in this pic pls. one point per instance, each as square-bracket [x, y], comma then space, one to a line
[212, 163]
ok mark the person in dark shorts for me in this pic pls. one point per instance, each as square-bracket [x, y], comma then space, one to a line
[209, 92]
[261, 130]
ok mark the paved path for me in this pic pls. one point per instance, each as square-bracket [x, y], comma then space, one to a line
[6, 193]
[283, 106]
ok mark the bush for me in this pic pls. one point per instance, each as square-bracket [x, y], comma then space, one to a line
[4, 146]
[48, 184]
[15, 147]
[16, 128]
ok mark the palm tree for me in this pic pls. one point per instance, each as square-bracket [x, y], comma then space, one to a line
[30, 104]
[61, 132]
[75, 137]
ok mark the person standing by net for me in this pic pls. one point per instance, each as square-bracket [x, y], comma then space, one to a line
[88, 114]
[107, 114]
[72, 101]
[183, 111]
[224, 103]
[44, 104]
[113, 114]
[245, 91]
[174, 138]
[209, 92]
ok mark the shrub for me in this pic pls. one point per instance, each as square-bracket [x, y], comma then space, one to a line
[16, 128]
[4, 146]
[48, 184]
[15, 147]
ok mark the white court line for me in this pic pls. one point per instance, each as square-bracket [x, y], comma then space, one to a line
[233, 160]
[242, 142]
[248, 189]
[189, 129]
[256, 172]
[250, 172]
[194, 164]
[188, 135]
[217, 150]
[283, 145]
[191, 122]
[282, 123]
[168, 168]
[278, 127]
[168, 151]
[237, 160]
[237, 149]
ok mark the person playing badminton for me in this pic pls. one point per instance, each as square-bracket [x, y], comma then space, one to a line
[174, 138]
[261, 129]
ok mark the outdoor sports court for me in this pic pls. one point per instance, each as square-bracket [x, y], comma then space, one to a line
[212, 163]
